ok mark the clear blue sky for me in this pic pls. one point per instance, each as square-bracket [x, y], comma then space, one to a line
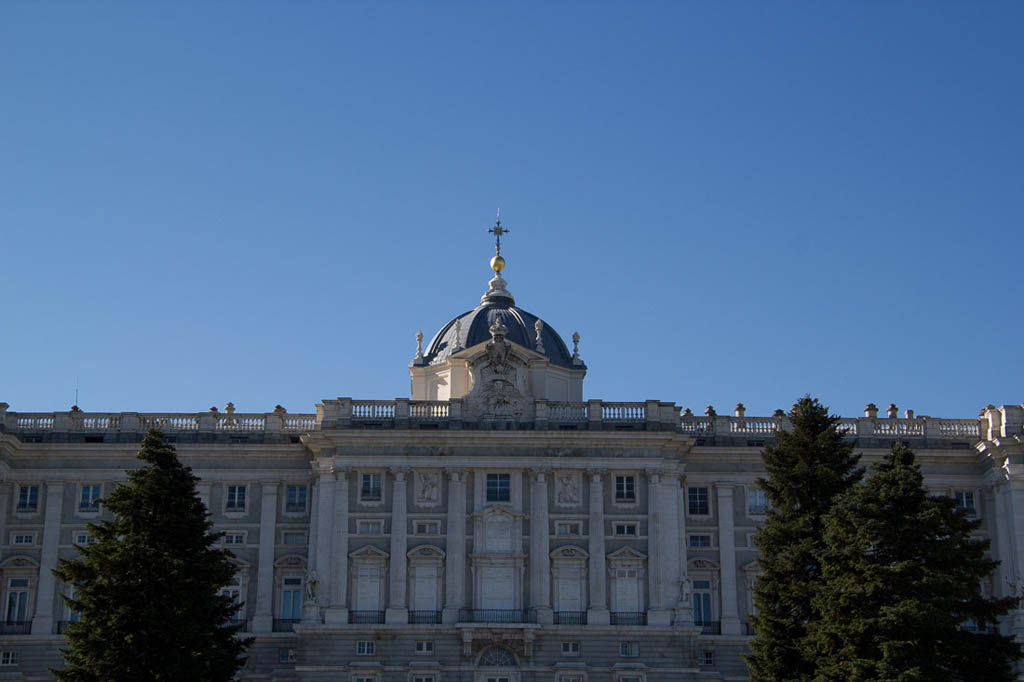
[741, 201]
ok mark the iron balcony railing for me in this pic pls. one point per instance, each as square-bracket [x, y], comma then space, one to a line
[285, 624]
[425, 617]
[498, 615]
[16, 627]
[710, 627]
[366, 617]
[570, 617]
[629, 618]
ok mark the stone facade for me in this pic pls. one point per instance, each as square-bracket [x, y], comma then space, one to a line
[496, 536]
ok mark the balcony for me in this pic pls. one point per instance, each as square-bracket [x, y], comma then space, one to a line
[570, 618]
[16, 627]
[498, 615]
[366, 617]
[628, 618]
[710, 627]
[285, 624]
[425, 617]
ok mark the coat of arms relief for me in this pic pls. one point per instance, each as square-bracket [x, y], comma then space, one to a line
[499, 382]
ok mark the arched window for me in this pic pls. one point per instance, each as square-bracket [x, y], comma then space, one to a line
[497, 657]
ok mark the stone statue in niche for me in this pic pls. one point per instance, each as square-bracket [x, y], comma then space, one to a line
[568, 490]
[427, 488]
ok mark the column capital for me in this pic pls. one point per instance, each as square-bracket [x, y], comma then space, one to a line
[456, 474]
[540, 474]
[400, 473]
[724, 488]
[653, 475]
[269, 487]
[341, 474]
[595, 475]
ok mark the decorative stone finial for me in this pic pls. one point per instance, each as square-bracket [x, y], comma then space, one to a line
[230, 408]
[214, 409]
[278, 409]
[710, 411]
[779, 413]
[740, 410]
[419, 345]
[892, 411]
[457, 343]
[498, 331]
[496, 287]
[576, 349]
[76, 408]
[909, 414]
[538, 326]
[871, 410]
[687, 412]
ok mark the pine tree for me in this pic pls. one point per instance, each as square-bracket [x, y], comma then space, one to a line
[146, 590]
[902, 578]
[807, 469]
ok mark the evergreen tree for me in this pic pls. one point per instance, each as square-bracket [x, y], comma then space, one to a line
[807, 469]
[902, 579]
[147, 590]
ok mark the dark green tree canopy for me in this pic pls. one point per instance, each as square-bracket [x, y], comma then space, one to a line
[902, 598]
[147, 590]
[807, 468]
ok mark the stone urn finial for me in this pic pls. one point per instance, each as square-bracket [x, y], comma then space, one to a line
[576, 349]
[779, 413]
[419, 344]
[871, 410]
[740, 410]
[892, 411]
[710, 411]
[687, 412]
[278, 409]
[230, 408]
[538, 327]
[457, 333]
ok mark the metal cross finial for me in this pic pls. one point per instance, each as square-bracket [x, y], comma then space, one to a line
[497, 231]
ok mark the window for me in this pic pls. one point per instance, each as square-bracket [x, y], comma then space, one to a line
[8, 658]
[23, 539]
[236, 498]
[365, 648]
[291, 598]
[625, 489]
[707, 657]
[424, 647]
[370, 527]
[363, 678]
[234, 537]
[428, 528]
[757, 502]
[629, 649]
[572, 528]
[570, 648]
[625, 529]
[89, 500]
[965, 502]
[700, 541]
[702, 614]
[499, 487]
[294, 538]
[28, 498]
[570, 678]
[424, 678]
[295, 500]
[630, 678]
[233, 590]
[698, 501]
[17, 600]
[286, 655]
[84, 539]
[370, 490]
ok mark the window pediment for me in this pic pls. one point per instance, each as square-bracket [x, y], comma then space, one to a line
[369, 553]
[497, 510]
[569, 552]
[20, 562]
[702, 564]
[291, 561]
[627, 554]
[425, 552]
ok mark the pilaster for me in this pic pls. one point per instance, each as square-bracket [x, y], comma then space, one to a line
[540, 547]
[263, 617]
[42, 622]
[597, 570]
[397, 612]
[455, 566]
[337, 612]
[727, 559]
[322, 551]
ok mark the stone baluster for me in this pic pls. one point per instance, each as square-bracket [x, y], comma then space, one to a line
[597, 568]
[397, 611]
[263, 617]
[540, 548]
[337, 613]
[42, 622]
[455, 568]
[727, 559]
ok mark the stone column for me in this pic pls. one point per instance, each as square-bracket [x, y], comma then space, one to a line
[337, 612]
[727, 559]
[263, 617]
[540, 548]
[322, 550]
[42, 622]
[397, 611]
[455, 544]
[598, 612]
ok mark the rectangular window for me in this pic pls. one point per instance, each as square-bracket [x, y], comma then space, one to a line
[625, 529]
[366, 648]
[570, 678]
[630, 678]
[84, 539]
[236, 498]
[757, 502]
[702, 614]
[570, 648]
[286, 655]
[8, 658]
[296, 498]
[233, 591]
[570, 528]
[625, 489]
[707, 657]
[629, 649]
[428, 528]
[370, 490]
[28, 498]
[424, 647]
[424, 678]
[234, 538]
[499, 487]
[698, 501]
[294, 538]
[700, 541]
[291, 599]
[23, 539]
[17, 600]
[360, 678]
[370, 527]
[965, 502]
[90, 498]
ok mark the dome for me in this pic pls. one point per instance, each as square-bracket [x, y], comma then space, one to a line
[497, 305]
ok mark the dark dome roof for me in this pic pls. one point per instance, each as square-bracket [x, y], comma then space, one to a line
[475, 327]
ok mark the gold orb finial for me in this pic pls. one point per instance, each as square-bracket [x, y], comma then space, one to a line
[497, 264]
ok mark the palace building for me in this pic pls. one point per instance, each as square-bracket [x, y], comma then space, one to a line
[493, 527]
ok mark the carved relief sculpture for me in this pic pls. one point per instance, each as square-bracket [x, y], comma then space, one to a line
[567, 489]
[428, 488]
